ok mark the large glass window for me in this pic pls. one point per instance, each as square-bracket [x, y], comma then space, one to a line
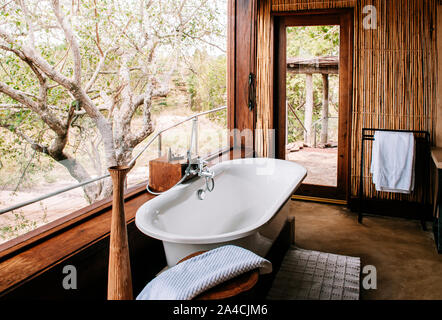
[87, 84]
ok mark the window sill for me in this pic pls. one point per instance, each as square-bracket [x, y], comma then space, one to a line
[29, 255]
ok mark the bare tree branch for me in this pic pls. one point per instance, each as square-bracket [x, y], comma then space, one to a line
[97, 34]
[27, 53]
[70, 37]
[35, 145]
[31, 38]
[205, 41]
[19, 96]
[55, 151]
[6, 4]
[98, 69]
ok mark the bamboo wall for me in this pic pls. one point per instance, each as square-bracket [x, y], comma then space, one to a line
[297, 5]
[394, 77]
[264, 82]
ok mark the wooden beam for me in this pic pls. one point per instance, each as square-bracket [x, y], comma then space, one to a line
[310, 69]
[309, 104]
[324, 112]
[321, 65]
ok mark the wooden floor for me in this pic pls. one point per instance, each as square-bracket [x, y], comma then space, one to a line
[405, 257]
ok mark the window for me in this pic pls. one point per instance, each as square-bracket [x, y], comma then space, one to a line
[78, 97]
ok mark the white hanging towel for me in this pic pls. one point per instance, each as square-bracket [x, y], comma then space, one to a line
[392, 162]
[198, 274]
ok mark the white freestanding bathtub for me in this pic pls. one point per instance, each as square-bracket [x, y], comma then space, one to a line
[247, 195]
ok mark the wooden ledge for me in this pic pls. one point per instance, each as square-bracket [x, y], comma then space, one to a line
[36, 255]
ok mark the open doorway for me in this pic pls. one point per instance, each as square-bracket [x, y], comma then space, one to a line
[314, 96]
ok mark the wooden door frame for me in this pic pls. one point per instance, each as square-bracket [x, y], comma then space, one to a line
[241, 61]
[344, 18]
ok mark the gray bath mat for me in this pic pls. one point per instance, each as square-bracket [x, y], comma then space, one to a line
[313, 275]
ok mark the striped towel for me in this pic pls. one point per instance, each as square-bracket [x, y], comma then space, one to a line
[192, 277]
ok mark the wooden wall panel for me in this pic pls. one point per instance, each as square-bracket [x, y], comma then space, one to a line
[231, 70]
[244, 60]
[394, 75]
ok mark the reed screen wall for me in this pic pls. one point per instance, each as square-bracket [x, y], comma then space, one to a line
[297, 5]
[264, 80]
[394, 76]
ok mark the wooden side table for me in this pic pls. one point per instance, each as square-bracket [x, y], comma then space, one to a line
[231, 288]
[163, 174]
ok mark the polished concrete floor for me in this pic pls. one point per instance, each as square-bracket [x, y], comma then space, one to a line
[405, 257]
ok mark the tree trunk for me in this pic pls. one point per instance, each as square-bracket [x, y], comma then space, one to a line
[79, 173]
[324, 113]
[308, 119]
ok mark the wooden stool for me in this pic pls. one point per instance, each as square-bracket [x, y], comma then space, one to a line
[230, 288]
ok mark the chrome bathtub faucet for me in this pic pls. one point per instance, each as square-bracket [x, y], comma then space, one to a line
[203, 169]
[205, 172]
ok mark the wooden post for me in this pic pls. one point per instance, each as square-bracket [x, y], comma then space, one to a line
[120, 278]
[309, 103]
[324, 113]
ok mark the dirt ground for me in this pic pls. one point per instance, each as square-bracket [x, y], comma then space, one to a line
[321, 165]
